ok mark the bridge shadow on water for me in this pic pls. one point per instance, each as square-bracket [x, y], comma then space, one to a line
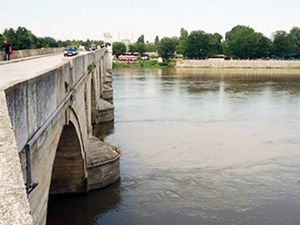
[63, 209]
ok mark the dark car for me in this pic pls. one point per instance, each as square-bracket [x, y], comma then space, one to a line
[70, 51]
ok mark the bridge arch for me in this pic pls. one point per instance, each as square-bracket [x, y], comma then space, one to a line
[69, 169]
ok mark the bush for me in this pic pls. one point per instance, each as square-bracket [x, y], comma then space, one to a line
[145, 64]
[149, 64]
[168, 64]
[172, 64]
[120, 65]
[164, 64]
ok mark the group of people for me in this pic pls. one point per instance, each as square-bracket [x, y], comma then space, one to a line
[94, 47]
[7, 50]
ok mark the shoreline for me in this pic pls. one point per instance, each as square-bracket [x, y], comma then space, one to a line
[246, 64]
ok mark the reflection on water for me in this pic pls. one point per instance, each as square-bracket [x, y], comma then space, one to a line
[204, 146]
[80, 209]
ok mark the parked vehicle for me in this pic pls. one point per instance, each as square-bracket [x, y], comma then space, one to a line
[70, 51]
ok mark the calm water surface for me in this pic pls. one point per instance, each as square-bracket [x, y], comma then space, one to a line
[199, 146]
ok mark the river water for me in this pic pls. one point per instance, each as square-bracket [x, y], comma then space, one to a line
[199, 146]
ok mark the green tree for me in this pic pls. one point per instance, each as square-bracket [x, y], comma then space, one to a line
[294, 41]
[167, 47]
[215, 43]
[197, 44]
[26, 37]
[50, 42]
[156, 42]
[65, 43]
[149, 47]
[141, 47]
[40, 43]
[180, 47]
[280, 44]
[1, 40]
[21, 38]
[10, 36]
[77, 43]
[181, 42]
[119, 48]
[263, 46]
[244, 42]
[183, 34]
[239, 41]
[133, 47]
[141, 39]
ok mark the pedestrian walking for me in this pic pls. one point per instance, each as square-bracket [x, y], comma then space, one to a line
[7, 49]
[93, 47]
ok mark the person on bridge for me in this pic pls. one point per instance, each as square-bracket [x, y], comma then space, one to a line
[93, 47]
[6, 48]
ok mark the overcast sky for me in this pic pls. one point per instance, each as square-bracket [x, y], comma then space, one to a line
[80, 20]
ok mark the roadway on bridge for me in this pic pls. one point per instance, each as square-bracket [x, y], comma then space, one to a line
[19, 70]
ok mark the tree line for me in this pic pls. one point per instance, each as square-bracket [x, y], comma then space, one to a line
[241, 42]
[22, 38]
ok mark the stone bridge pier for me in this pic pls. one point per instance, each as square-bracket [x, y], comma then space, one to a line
[52, 116]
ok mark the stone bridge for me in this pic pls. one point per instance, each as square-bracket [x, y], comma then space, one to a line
[46, 140]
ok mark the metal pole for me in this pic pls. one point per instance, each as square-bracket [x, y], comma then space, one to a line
[28, 168]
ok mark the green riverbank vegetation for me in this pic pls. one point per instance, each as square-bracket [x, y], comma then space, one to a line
[241, 42]
[145, 64]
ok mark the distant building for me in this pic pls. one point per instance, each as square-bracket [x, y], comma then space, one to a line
[151, 55]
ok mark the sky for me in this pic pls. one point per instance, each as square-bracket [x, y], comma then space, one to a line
[89, 19]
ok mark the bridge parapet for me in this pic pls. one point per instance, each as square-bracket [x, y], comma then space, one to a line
[14, 204]
[52, 116]
[18, 54]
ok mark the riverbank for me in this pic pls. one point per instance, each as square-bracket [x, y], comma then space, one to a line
[255, 64]
[143, 64]
[238, 64]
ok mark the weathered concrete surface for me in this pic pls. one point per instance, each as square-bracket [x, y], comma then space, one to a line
[104, 112]
[108, 79]
[14, 207]
[103, 163]
[107, 93]
[238, 63]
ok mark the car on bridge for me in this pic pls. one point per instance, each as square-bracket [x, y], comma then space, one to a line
[70, 51]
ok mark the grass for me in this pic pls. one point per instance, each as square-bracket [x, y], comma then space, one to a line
[145, 64]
